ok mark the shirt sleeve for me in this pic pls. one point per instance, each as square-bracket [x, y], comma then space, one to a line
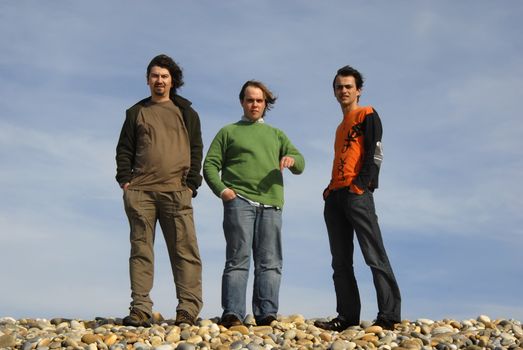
[213, 163]
[288, 149]
[368, 176]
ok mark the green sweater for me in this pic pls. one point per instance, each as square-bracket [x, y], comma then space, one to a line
[248, 156]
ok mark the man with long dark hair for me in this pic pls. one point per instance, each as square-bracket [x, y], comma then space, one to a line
[158, 159]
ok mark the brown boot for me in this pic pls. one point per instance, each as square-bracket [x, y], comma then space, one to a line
[137, 318]
[183, 316]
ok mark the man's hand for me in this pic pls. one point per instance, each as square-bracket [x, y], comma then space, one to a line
[228, 195]
[286, 162]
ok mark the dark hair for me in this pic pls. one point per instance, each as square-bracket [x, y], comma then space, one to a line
[270, 99]
[348, 71]
[168, 63]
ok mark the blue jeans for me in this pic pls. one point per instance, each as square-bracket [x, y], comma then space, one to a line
[249, 227]
[346, 213]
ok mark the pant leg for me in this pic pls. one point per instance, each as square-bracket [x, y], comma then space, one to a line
[365, 221]
[341, 240]
[268, 261]
[176, 220]
[238, 227]
[141, 212]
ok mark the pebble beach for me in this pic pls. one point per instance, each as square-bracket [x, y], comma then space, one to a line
[288, 332]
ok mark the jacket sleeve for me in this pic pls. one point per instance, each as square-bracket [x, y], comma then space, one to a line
[192, 122]
[213, 164]
[125, 150]
[373, 156]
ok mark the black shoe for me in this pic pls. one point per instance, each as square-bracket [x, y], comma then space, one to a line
[183, 316]
[385, 324]
[335, 324]
[230, 320]
[137, 318]
[266, 321]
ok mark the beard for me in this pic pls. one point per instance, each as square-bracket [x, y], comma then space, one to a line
[160, 90]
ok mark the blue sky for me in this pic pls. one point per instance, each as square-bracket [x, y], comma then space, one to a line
[446, 78]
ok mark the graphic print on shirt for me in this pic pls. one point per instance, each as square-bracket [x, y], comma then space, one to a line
[355, 132]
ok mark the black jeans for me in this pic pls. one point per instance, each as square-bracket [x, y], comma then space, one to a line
[346, 213]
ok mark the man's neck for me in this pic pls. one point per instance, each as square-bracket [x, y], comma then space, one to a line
[160, 99]
[349, 108]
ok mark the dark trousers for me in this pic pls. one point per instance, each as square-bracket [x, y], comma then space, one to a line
[345, 213]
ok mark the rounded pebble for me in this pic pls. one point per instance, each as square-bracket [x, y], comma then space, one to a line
[290, 332]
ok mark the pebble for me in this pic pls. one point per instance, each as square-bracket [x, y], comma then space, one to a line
[288, 332]
[7, 341]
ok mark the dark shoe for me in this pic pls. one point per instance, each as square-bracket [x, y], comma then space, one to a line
[183, 316]
[137, 318]
[266, 321]
[335, 324]
[230, 320]
[385, 324]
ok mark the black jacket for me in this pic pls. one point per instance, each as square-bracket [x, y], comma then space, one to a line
[126, 148]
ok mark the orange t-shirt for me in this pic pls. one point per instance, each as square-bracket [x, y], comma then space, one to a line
[349, 150]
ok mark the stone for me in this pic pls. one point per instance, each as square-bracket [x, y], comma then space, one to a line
[164, 347]
[7, 341]
[157, 317]
[185, 334]
[411, 344]
[141, 346]
[241, 329]
[254, 346]
[442, 330]
[185, 346]
[110, 339]
[507, 339]
[304, 342]
[205, 323]
[90, 338]
[173, 336]
[156, 341]
[262, 330]
[289, 334]
[350, 346]
[249, 320]
[195, 339]
[483, 319]
[338, 345]
[425, 321]
[325, 336]
[237, 345]
[76, 325]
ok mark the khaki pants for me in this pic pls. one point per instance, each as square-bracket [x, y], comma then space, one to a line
[174, 212]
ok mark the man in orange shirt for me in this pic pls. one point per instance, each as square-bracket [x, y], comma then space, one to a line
[349, 208]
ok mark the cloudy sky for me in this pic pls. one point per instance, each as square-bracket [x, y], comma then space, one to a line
[446, 78]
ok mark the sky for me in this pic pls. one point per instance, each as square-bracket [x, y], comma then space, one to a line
[446, 78]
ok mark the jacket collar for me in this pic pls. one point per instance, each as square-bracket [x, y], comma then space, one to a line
[178, 100]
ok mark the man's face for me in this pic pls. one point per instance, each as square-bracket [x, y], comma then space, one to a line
[253, 103]
[159, 81]
[345, 91]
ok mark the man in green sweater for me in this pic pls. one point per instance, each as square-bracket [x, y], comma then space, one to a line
[251, 157]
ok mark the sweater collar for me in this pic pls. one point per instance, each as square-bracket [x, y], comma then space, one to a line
[245, 119]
